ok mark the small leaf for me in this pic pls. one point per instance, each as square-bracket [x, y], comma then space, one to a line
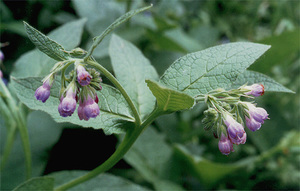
[216, 67]
[131, 69]
[105, 182]
[113, 116]
[252, 77]
[40, 183]
[169, 100]
[45, 44]
[34, 63]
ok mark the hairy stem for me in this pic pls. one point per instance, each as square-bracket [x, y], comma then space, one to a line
[119, 87]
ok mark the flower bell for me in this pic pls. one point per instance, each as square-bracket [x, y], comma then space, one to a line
[257, 116]
[225, 145]
[67, 104]
[83, 77]
[88, 108]
[235, 130]
[255, 90]
[43, 92]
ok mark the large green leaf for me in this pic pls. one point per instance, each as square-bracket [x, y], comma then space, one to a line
[169, 100]
[132, 69]
[39, 183]
[35, 63]
[45, 44]
[252, 77]
[215, 67]
[101, 182]
[40, 127]
[150, 162]
[113, 107]
[206, 171]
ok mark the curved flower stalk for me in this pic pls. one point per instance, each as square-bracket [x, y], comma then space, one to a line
[83, 81]
[225, 108]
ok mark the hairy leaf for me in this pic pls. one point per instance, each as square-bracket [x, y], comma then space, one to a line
[113, 107]
[40, 183]
[45, 44]
[215, 67]
[252, 77]
[169, 100]
[131, 69]
[35, 63]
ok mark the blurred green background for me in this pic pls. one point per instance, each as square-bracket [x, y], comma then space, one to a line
[175, 152]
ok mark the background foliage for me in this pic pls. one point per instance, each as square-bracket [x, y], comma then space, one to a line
[175, 153]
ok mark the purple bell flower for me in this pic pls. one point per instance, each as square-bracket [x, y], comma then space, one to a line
[43, 92]
[255, 90]
[67, 104]
[88, 108]
[257, 117]
[83, 77]
[235, 130]
[225, 145]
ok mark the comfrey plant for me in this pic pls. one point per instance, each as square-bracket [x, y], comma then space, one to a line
[216, 76]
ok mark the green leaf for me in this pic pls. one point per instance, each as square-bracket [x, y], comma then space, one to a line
[131, 69]
[40, 183]
[216, 67]
[114, 25]
[252, 77]
[40, 127]
[150, 162]
[169, 100]
[101, 182]
[113, 116]
[206, 171]
[34, 63]
[45, 44]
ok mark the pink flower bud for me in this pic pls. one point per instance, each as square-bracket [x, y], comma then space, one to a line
[67, 104]
[43, 92]
[83, 77]
[225, 145]
[255, 90]
[235, 130]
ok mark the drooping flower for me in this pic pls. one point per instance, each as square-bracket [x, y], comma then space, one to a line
[67, 104]
[225, 145]
[255, 90]
[88, 108]
[235, 130]
[43, 92]
[257, 116]
[83, 77]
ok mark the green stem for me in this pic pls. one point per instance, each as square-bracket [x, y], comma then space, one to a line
[21, 124]
[119, 87]
[11, 134]
[130, 138]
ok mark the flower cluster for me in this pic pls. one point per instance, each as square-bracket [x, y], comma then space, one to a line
[82, 86]
[228, 116]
